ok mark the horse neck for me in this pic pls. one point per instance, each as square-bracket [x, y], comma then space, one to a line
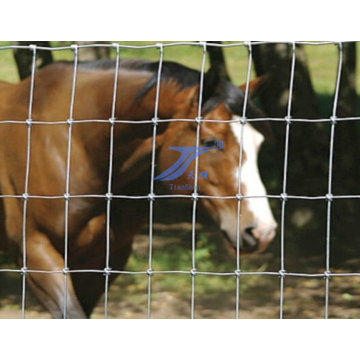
[95, 137]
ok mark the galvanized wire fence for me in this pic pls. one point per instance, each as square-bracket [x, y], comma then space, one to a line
[238, 273]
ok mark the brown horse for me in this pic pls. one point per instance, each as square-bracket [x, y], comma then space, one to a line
[46, 221]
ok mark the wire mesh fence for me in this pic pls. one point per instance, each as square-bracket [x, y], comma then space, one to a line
[238, 273]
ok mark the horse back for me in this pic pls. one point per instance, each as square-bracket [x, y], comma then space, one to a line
[6, 86]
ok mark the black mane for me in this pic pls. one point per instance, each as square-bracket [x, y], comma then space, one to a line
[224, 92]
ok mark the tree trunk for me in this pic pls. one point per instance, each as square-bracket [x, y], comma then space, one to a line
[275, 60]
[23, 57]
[346, 159]
[93, 53]
[347, 94]
[217, 60]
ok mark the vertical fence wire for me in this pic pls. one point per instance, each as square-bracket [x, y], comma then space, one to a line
[107, 270]
[151, 196]
[329, 196]
[67, 178]
[284, 187]
[195, 192]
[242, 123]
[26, 182]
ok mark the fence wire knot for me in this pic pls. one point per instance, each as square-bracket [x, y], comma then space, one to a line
[282, 273]
[203, 44]
[193, 272]
[288, 119]
[23, 270]
[327, 274]
[333, 120]
[149, 272]
[151, 197]
[247, 44]
[195, 196]
[237, 272]
[107, 271]
[239, 197]
[66, 196]
[329, 197]
[160, 46]
[25, 196]
[112, 121]
[109, 196]
[65, 270]
[283, 197]
[29, 122]
[155, 121]
[69, 121]
[198, 120]
[243, 120]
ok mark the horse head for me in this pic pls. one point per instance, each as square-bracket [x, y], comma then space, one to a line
[223, 145]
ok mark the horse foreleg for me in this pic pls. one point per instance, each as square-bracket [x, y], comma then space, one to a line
[49, 287]
[90, 287]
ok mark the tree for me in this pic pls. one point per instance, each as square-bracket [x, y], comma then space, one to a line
[275, 60]
[93, 53]
[217, 60]
[347, 96]
[309, 145]
[24, 57]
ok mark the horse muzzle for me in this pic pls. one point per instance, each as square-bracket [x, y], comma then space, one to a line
[252, 239]
[258, 238]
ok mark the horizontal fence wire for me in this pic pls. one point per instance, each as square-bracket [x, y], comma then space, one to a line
[141, 122]
[282, 274]
[236, 273]
[171, 44]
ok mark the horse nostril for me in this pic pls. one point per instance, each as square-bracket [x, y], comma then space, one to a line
[250, 243]
[249, 230]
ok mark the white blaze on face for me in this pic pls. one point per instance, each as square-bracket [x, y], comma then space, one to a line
[250, 177]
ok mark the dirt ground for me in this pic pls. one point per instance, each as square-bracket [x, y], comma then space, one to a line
[214, 296]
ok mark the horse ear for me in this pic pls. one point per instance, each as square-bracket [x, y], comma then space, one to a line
[257, 86]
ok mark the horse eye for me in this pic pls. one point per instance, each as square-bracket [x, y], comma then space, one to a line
[210, 142]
